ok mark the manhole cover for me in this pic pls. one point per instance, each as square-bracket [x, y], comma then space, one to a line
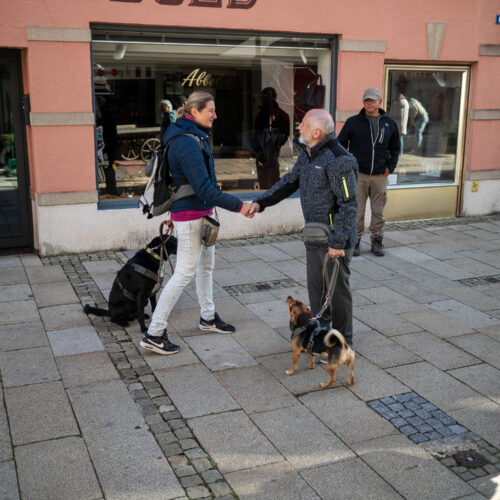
[470, 458]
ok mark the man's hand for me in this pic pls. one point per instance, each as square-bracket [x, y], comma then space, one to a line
[335, 253]
[168, 223]
[255, 208]
[387, 172]
[245, 209]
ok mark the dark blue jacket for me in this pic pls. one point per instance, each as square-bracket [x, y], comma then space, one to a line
[187, 163]
[373, 156]
[328, 185]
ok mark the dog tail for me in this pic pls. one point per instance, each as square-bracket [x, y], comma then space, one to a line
[334, 336]
[96, 310]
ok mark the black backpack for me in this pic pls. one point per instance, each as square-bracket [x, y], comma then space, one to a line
[161, 191]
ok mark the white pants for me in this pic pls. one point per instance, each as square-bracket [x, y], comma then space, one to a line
[192, 257]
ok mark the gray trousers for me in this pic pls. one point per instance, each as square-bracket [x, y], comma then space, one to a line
[340, 310]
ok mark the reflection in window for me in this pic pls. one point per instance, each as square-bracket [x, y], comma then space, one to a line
[427, 106]
[260, 85]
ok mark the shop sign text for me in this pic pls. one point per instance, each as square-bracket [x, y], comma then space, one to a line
[231, 4]
[200, 78]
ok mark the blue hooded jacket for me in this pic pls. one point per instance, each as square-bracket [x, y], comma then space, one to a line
[187, 163]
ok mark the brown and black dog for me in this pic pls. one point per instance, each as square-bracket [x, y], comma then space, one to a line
[326, 342]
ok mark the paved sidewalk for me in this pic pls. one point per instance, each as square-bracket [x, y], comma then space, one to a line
[85, 413]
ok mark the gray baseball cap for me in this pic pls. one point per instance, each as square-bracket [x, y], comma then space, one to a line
[371, 93]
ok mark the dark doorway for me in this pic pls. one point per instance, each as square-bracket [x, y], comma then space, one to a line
[15, 207]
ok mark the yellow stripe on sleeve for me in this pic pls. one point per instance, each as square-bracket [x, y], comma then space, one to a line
[345, 187]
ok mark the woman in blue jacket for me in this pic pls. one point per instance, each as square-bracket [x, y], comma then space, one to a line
[190, 159]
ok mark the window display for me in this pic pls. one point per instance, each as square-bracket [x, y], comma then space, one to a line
[263, 85]
[428, 105]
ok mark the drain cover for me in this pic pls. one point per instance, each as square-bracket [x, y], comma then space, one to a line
[470, 458]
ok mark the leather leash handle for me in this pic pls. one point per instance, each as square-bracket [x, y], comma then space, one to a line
[331, 284]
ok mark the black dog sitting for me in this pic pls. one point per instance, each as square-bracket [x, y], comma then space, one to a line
[135, 282]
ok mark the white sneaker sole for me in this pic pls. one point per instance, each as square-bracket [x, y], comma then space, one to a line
[149, 347]
[213, 329]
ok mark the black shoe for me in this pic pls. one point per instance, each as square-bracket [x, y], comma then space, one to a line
[216, 325]
[356, 252]
[377, 247]
[160, 345]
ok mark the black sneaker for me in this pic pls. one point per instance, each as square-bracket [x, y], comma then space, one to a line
[356, 252]
[216, 325]
[160, 345]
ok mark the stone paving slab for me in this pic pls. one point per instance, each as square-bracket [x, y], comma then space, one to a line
[31, 260]
[474, 267]
[301, 437]
[349, 479]
[274, 313]
[449, 269]
[255, 389]
[303, 380]
[426, 278]
[10, 293]
[437, 323]
[238, 254]
[482, 378]
[491, 331]
[464, 314]
[39, 412]
[259, 270]
[230, 277]
[132, 466]
[273, 482]
[255, 297]
[293, 248]
[102, 266]
[259, 339]
[62, 317]
[481, 346]
[473, 298]
[383, 320]
[18, 311]
[435, 249]
[410, 255]
[483, 256]
[292, 268]
[46, 274]
[105, 409]
[413, 290]
[487, 485]
[439, 388]
[296, 291]
[386, 296]
[219, 351]
[358, 281]
[8, 481]
[5, 441]
[336, 407]
[383, 351]
[28, 366]
[195, 391]
[104, 281]
[75, 341]
[267, 252]
[233, 441]
[410, 470]
[483, 419]
[436, 351]
[13, 276]
[372, 270]
[86, 369]
[56, 470]
[9, 261]
[22, 336]
[54, 294]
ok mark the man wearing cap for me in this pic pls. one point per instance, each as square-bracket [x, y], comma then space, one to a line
[373, 138]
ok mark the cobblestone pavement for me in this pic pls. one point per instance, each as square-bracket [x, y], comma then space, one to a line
[85, 413]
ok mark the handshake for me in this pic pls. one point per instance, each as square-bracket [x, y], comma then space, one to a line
[249, 209]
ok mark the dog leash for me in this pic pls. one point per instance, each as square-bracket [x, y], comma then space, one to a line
[331, 283]
[162, 252]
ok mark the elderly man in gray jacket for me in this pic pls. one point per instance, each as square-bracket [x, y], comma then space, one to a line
[326, 174]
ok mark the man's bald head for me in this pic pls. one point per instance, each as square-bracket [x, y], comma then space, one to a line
[315, 126]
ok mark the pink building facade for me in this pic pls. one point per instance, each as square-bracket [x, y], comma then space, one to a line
[82, 83]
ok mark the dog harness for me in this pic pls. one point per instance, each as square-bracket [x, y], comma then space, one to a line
[297, 330]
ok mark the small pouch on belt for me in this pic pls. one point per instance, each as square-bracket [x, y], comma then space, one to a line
[209, 230]
[316, 233]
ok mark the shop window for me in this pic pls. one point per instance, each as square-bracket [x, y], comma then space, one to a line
[428, 105]
[255, 80]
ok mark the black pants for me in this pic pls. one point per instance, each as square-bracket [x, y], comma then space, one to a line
[340, 310]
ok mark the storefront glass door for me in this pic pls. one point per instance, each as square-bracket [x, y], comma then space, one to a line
[15, 230]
